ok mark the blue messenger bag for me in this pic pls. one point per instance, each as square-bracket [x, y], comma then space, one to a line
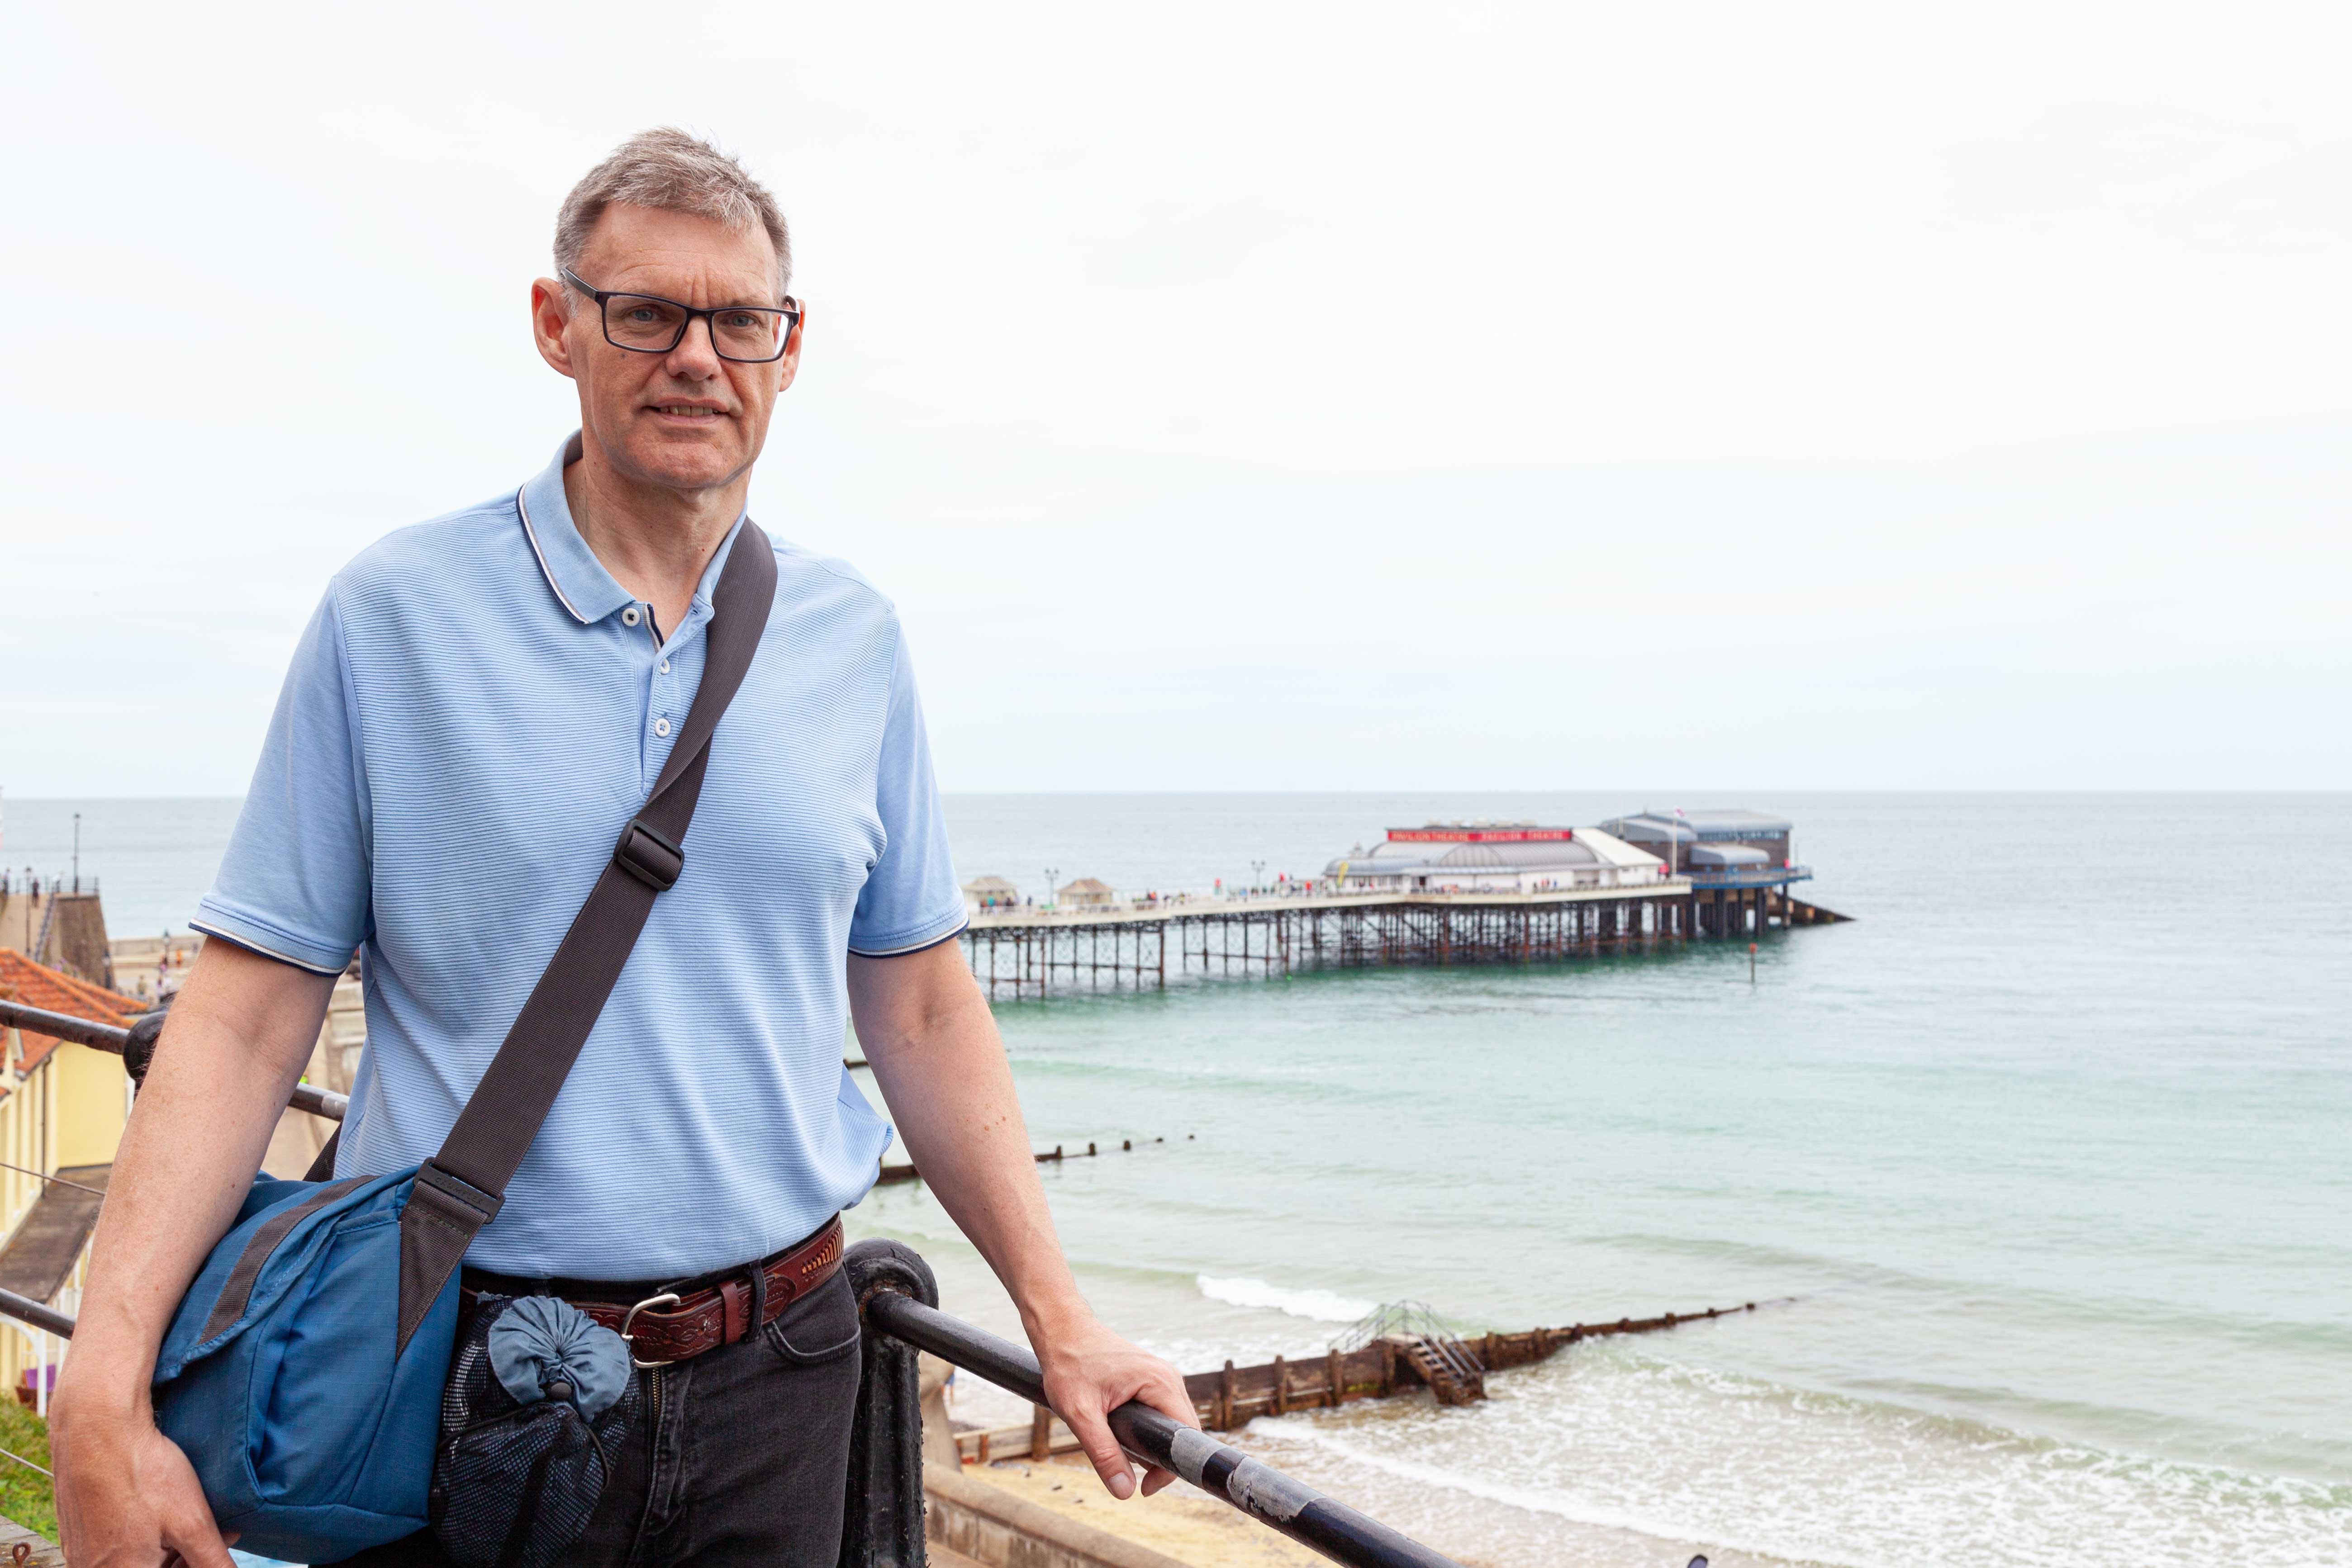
[304, 1371]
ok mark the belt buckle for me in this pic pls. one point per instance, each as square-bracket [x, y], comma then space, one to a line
[667, 1299]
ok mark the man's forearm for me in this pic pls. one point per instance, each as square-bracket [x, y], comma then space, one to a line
[941, 1067]
[238, 1036]
[935, 1051]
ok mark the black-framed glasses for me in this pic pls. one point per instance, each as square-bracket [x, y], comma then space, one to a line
[649, 324]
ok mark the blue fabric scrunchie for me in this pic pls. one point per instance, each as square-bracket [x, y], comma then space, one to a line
[539, 1340]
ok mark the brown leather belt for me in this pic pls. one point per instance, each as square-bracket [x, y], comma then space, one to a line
[667, 1326]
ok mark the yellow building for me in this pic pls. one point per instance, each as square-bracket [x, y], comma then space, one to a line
[62, 1109]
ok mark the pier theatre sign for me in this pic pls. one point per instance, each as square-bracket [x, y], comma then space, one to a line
[1480, 836]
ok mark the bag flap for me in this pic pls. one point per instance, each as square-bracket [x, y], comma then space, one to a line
[282, 1226]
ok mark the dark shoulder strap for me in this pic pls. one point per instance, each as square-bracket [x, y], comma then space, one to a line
[460, 1189]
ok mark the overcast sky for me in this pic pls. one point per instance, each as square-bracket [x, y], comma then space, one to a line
[1698, 398]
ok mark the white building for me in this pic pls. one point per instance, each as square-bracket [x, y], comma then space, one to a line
[1493, 857]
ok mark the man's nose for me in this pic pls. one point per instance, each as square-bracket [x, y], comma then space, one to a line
[696, 358]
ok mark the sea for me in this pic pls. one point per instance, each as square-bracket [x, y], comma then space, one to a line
[2039, 1170]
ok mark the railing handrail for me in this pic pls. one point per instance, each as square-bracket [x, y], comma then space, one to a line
[118, 1040]
[26, 1310]
[1322, 1523]
[1319, 1522]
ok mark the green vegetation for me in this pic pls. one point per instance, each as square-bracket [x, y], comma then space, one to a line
[25, 1493]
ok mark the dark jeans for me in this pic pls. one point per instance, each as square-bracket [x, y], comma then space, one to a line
[738, 1457]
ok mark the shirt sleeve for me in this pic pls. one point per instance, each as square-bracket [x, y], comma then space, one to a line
[910, 899]
[295, 883]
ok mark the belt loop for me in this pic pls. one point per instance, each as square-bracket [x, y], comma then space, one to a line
[758, 1296]
[730, 1311]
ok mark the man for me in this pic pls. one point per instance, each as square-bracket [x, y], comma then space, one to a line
[478, 706]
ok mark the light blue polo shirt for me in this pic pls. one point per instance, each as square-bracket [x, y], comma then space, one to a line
[475, 710]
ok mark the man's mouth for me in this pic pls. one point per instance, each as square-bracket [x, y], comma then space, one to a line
[687, 410]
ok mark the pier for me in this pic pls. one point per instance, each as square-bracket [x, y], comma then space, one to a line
[1443, 893]
[1024, 950]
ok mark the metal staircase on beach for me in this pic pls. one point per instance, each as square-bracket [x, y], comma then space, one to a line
[1451, 1368]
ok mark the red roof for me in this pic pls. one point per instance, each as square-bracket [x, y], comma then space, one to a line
[39, 986]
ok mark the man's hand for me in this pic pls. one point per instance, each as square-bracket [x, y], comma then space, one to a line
[127, 1497]
[1091, 1372]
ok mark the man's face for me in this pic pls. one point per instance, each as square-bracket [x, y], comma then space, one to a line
[685, 420]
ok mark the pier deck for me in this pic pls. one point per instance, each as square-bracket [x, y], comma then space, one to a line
[1029, 950]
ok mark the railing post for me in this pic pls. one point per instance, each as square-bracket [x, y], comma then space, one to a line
[882, 1513]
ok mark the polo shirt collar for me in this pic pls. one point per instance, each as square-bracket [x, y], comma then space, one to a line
[580, 582]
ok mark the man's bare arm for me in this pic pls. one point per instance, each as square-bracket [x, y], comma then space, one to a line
[239, 1034]
[935, 1051]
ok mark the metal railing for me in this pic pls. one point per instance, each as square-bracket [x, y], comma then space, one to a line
[883, 1524]
[136, 1046]
[1703, 880]
[882, 1516]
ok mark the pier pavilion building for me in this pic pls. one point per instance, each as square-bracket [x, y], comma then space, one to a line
[1493, 857]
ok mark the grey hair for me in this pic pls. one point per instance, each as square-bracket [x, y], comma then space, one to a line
[669, 170]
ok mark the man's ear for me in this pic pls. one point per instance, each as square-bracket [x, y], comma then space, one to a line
[790, 365]
[551, 313]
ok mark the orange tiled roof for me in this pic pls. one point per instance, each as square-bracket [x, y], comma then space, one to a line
[39, 986]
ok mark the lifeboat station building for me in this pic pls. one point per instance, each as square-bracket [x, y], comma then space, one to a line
[1493, 857]
[1722, 847]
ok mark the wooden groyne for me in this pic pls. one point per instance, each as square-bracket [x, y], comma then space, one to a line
[1052, 1156]
[1393, 1364]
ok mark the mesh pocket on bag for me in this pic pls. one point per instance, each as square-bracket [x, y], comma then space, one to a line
[514, 1485]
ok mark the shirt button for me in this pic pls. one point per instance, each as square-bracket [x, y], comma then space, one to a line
[661, 726]
[629, 616]
[665, 666]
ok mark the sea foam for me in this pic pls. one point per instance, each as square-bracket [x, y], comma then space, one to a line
[1322, 1306]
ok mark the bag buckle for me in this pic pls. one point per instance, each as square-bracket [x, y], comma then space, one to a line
[484, 1206]
[650, 855]
[667, 1299]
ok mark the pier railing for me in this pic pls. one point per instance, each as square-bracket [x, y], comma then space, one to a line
[882, 1523]
[1746, 876]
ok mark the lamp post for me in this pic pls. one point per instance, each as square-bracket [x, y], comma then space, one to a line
[1053, 881]
[1257, 874]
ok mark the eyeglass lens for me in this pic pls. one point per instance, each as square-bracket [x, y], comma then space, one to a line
[655, 326]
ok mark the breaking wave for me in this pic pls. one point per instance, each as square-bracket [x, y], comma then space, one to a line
[1322, 1306]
